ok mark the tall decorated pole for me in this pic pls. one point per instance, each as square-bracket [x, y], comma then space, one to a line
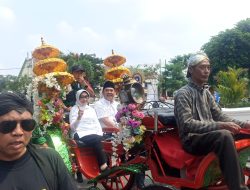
[49, 87]
[115, 71]
[131, 94]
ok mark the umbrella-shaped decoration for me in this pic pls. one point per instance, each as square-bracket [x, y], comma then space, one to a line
[64, 78]
[49, 65]
[118, 80]
[114, 60]
[116, 72]
[45, 51]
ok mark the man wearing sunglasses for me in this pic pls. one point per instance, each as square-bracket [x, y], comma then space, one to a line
[22, 164]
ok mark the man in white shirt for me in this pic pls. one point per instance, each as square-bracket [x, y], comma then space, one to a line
[106, 107]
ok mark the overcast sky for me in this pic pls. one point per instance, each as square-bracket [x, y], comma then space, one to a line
[144, 31]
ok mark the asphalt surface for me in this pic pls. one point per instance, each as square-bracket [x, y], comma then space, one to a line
[85, 186]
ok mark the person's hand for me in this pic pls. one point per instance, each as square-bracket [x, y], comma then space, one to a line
[81, 80]
[67, 109]
[80, 114]
[230, 126]
[110, 130]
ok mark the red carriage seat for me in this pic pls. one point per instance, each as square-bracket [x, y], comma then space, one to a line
[173, 154]
[85, 158]
[170, 146]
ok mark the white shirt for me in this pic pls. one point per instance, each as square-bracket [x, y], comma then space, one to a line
[89, 123]
[105, 108]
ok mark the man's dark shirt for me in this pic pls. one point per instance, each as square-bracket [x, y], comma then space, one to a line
[38, 162]
[196, 111]
[21, 174]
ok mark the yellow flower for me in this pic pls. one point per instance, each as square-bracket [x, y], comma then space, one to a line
[142, 128]
[138, 138]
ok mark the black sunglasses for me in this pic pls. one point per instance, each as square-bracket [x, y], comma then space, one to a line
[9, 126]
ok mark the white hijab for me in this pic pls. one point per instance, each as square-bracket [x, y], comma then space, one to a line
[78, 94]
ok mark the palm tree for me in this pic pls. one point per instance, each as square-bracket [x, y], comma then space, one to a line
[232, 85]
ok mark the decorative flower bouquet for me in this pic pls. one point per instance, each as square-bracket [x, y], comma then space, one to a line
[132, 130]
[52, 114]
[47, 93]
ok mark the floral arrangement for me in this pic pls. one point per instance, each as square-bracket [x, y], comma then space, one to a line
[132, 130]
[47, 83]
[52, 114]
[47, 93]
[47, 90]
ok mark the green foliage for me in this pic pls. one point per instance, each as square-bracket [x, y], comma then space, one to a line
[232, 85]
[230, 48]
[136, 69]
[13, 83]
[172, 77]
[91, 64]
[151, 70]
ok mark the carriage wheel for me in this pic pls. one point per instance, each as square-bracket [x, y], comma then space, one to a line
[123, 181]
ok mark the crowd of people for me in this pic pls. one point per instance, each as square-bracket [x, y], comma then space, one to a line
[203, 128]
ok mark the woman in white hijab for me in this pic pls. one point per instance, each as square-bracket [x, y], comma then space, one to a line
[86, 127]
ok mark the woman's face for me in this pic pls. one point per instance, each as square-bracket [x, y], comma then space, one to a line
[84, 98]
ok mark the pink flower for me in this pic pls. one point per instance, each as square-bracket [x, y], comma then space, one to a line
[131, 107]
[39, 103]
[137, 114]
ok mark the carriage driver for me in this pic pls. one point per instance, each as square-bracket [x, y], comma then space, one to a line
[203, 128]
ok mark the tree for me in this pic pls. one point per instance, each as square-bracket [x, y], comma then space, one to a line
[92, 65]
[172, 77]
[232, 85]
[230, 48]
[13, 83]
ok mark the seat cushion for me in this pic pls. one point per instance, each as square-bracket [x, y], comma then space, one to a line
[171, 150]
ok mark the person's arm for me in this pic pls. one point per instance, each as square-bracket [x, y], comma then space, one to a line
[65, 180]
[218, 115]
[110, 125]
[53, 168]
[87, 86]
[75, 117]
[107, 122]
[187, 123]
[103, 116]
[246, 125]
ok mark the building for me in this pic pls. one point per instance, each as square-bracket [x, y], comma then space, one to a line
[27, 67]
[151, 86]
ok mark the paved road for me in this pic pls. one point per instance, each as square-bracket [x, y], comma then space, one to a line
[85, 186]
